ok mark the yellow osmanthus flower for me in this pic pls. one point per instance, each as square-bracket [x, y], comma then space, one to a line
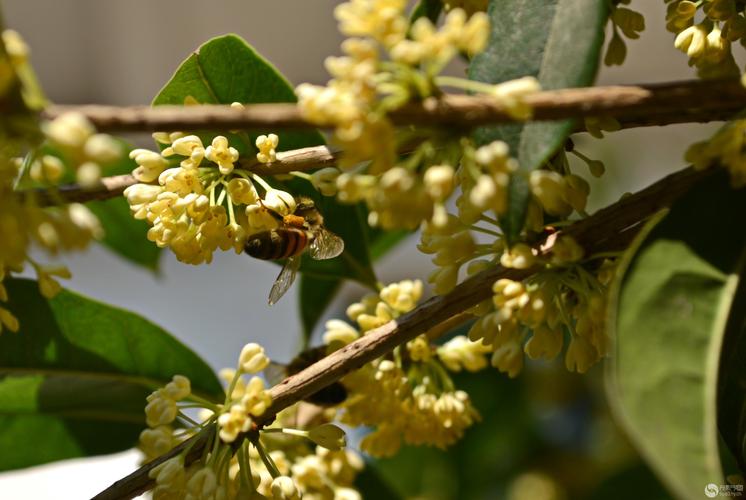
[707, 43]
[386, 64]
[243, 461]
[410, 397]
[196, 200]
[533, 315]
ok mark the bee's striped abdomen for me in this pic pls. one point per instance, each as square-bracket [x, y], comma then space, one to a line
[277, 244]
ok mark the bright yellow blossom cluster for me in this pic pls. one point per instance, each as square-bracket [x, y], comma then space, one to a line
[267, 463]
[705, 31]
[388, 63]
[197, 199]
[407, 397]
[535, 315]
[453, 239]
[726, 148]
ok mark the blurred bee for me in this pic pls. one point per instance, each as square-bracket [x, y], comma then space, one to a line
[301, 230]
[330, 395]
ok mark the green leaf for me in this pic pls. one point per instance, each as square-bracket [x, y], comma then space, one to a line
[557, 41]
[226, 70]
[671, 311]
[73, 380]
[731, 386]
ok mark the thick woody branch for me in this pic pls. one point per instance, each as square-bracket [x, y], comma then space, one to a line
[607, 230]
[655, 104]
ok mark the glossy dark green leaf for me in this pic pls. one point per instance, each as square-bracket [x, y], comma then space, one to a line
[670, 313]
[226, 70]
[557, 41]
[73, 380]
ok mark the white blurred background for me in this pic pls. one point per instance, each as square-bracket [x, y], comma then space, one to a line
[94, 51]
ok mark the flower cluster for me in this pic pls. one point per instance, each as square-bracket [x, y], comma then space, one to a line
[197, 201]
[388, 63]
[407, 397]
[556, 191]
[630, 23]
[535, 315]
[725, 148]
[77, 141]
[562, 297]
[28, 219]
[705, 31]
[243, 460]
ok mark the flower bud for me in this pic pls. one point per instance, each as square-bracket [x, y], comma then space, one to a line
[439, 181]
[70, 130]
[284, 488]
[242, 191]
[280, 201]
[88, 174]
[103, 148]
[178, 388]
[252, 358]
[339, 331]
[160, 410]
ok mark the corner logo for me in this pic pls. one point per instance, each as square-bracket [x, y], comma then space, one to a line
[712, 490]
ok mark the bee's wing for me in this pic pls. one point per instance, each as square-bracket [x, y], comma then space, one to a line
[275, 373]
[325, 245]
[285, 279]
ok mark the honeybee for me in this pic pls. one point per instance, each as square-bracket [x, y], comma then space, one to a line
[301, 230]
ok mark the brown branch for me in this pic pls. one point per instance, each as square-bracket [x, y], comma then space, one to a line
[597, 233]
[287, 161]
[676, 102]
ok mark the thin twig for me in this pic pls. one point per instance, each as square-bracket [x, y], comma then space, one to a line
[110, 187]
[676, 102]
[597, 233]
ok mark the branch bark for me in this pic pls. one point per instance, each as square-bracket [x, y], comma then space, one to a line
[654, 104]
[287, 161]
[608, 229]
